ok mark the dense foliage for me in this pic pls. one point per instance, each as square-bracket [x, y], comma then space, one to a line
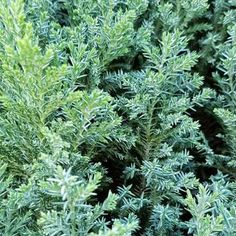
[117, 117]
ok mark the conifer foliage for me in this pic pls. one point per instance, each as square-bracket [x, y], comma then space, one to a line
[117, 117]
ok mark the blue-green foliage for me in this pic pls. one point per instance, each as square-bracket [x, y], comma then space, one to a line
[104, 127]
